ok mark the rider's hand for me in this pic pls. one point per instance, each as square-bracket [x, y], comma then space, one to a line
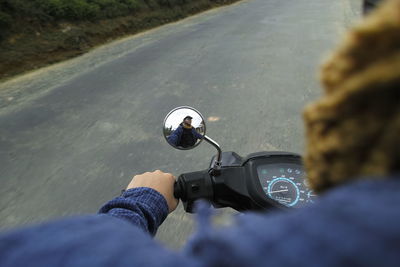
[160, 181]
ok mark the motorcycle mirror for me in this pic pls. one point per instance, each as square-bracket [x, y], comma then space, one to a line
[184, 128]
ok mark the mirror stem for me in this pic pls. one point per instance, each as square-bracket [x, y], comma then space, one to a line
[217, 162]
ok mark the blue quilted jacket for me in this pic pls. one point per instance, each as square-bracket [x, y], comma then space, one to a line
[354, 225]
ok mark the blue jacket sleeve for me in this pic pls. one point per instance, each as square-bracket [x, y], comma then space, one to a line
[144, 207]
[117, 236]
[196, 134]
[89, 241]
[173, 139]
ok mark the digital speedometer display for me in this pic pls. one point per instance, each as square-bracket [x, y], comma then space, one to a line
[285, 183]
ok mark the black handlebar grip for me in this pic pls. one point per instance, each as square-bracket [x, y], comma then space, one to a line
[192, 186]
[177, 190]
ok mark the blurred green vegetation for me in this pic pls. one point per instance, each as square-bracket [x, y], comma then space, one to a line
[35, 33]
[50, 10]
[40, 11]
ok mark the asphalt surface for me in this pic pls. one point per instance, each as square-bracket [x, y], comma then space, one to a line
[72, 135]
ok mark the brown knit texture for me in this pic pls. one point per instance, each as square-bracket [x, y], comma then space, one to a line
[353, 130]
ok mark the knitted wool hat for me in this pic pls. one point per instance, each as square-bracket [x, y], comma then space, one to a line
[353, 130]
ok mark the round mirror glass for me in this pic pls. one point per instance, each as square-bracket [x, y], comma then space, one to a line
[184, 128]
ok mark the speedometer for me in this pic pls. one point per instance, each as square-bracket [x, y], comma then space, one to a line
[284, 191]
[284, 183]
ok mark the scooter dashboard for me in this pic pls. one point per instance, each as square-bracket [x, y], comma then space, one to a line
[272, 179]
[285, 183]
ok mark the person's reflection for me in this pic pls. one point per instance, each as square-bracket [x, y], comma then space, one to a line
[185, 135]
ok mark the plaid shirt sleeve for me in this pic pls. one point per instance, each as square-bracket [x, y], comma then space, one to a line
[144, 207]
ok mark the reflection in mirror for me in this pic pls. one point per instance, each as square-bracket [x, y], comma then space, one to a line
[184, 128]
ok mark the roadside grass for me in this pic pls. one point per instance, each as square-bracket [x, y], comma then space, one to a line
[36, 33]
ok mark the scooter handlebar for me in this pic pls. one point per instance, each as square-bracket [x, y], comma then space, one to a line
[192, 186]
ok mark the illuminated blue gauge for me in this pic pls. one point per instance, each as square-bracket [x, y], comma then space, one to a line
[284, 190]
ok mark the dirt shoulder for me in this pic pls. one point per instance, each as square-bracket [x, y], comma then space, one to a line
[37, 45]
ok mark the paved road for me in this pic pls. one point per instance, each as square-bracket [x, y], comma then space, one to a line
[72, 135]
